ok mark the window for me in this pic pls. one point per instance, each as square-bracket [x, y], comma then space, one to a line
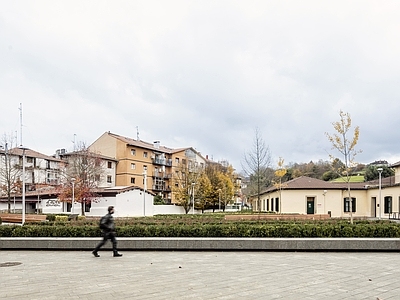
[69, 206]
[109, 179]
[388, 205]
[133, 166]
[184, 162]
[144, 168]
[276, 204]
[144, 154]
[272, 204]
[177, 160]
[267, 205]
[109, 164]
[133, 180]
[346, 204]
[133, 151]
[88, 206]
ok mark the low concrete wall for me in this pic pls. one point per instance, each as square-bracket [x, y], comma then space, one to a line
[203, 244]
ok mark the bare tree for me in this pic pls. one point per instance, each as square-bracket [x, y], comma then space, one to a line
[345, 145]
[256, 162]
[83, 173]
[10, 172]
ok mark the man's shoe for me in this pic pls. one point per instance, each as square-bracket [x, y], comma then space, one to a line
[117, 254]
[95, 254]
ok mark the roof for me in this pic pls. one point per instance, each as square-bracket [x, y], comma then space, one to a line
[141, 144]
[150, 146]
[84, 153]
[308, 183]
[397, 164]
[31, 153]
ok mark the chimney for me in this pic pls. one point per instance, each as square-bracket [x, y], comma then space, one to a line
[157, 144]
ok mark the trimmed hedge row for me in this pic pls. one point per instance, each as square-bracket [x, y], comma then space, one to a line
[236, 229]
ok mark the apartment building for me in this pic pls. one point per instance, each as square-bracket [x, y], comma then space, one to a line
[146, 165]
[40, 169]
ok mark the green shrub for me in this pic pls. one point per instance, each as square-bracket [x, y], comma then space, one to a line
[51, 218]
[207, 225]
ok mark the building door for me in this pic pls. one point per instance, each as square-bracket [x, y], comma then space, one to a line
[310, 205]
[373, 207]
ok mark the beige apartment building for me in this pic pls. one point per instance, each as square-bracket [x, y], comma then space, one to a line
[146, 165]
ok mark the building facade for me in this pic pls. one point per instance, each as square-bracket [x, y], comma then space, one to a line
[305, 195]
[146, 165]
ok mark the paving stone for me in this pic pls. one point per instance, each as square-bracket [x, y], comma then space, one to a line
[199, 275]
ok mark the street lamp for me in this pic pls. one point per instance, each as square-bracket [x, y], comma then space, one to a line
[380, 191]
[73, 195]
[324, 193]
[144, 189]
[23, 184]
[193, 184]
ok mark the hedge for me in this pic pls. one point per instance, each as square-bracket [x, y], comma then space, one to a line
[84, 228]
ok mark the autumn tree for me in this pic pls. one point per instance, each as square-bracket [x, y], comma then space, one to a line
[10, 172]
[280, 172]
[203, 192]
[346, 145]
[185, 183]
[83, 173]
[255, 164]
[226, 188]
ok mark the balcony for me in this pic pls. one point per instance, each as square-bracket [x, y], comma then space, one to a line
[162, 175]
[160, 188]
[162, 161]
[52, 181]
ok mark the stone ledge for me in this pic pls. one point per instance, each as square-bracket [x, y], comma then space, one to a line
[206, 244]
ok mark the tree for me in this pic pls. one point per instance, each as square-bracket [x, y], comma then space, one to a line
[371, 172]
[185, 183]
[10, 172]
[346, 146]
[280, 172]
[255, 164]
[83, 173]
[203, 192]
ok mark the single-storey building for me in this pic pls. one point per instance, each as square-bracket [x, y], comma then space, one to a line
[305, 195]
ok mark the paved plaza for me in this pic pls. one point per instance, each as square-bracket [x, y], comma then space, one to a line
[199, 275]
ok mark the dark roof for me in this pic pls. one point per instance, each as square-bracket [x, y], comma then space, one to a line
[396, 164]
[308, 183]
[141, 144]
[32, 153]
[150, 146]
[77, 153]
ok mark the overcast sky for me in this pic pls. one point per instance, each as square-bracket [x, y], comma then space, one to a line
[203, 74]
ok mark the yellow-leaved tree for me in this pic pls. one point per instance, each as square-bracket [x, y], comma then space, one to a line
[279, 173]
[345, 144]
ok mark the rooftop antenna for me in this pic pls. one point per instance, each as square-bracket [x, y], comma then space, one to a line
[20, 121]
[74, 141]
[137, 133]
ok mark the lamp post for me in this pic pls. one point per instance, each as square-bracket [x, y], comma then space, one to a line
[144, 189]
[73, 195]
[324, 193]
[193, 184]
[380, 191]
[23, 186]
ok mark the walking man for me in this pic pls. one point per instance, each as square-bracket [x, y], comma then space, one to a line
[108, 229]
